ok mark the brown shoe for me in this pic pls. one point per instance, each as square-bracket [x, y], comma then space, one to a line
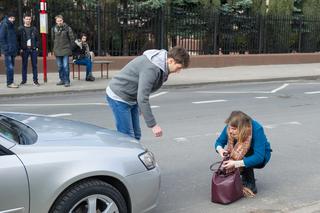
[12, 85]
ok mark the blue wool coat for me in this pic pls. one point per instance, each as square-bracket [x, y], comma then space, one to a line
[8, 38]
[259, 145]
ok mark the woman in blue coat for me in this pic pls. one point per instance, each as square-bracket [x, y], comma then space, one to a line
[244, 140]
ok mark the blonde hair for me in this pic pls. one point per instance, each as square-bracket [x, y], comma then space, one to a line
[58, 16]
[242, 122]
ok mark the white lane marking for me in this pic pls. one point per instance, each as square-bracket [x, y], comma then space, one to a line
[158, 94]
[311, 93]
[207, 102]
[261, 97]
[233, 92]
[271, 126]
[181, 139]
[155, 107]
[279, 88]
[244, 92]
[60, 115]
[33, 105]
[186, 138]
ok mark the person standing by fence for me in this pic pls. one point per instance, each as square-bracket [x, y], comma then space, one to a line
[63, 40]
[9, 46]
[28, 41]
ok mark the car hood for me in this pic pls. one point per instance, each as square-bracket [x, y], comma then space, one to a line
[62, 132]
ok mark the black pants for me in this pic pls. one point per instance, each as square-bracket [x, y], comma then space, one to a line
[248, 179]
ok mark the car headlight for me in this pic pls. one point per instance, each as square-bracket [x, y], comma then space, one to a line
[147, 158]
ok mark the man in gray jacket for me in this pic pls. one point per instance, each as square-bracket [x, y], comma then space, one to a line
[130, 89]
[63, 40]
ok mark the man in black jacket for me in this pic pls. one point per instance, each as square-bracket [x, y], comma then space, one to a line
[8, 43]
[28, 41]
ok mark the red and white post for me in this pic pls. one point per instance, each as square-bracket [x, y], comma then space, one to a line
[44, 31]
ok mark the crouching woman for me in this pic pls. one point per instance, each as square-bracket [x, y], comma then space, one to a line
[244, 140]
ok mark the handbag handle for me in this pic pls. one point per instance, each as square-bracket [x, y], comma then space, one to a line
[212, 165]
[226, 157]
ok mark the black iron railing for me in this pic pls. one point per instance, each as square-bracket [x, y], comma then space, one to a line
[118, 31]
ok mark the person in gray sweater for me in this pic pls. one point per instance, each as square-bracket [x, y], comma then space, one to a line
[128, 92]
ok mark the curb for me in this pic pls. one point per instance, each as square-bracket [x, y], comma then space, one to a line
[177, 85]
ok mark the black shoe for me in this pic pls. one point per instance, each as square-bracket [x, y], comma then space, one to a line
[60, 83]
[67, 84]
[248, 179]
[90, 78]
[36, 83]
[23, 83]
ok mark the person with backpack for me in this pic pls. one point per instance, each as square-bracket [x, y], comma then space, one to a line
[63, 42]
[82, 55]
[28, 41]
[9, 47]
[246, 145]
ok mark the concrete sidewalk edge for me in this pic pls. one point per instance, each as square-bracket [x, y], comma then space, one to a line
[70, 91]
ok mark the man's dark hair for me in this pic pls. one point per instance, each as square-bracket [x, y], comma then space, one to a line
[83, 34]
[180, 55]
[27, 15]
[11, 14]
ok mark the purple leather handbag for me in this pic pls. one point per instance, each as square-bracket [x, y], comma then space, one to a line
[226, 187]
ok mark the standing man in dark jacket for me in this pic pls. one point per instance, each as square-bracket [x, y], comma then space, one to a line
[130, 89]
[28, 40]
[63, 40]
[9, 46]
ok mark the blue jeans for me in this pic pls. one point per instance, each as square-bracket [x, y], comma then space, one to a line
[63, 67]
[9, 62]
[87, 62]
[25, 55]
[126, 117]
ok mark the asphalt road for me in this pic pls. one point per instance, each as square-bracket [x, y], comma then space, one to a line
[192, 117]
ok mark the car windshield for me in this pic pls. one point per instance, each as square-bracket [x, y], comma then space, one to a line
[16, 132]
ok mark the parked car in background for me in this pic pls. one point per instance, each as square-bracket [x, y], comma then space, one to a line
[61, 166]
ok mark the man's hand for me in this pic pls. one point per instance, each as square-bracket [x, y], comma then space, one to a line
[230, 164]
[157, 131]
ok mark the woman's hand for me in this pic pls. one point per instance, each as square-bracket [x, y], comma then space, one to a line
[222, 152]
[229, 164]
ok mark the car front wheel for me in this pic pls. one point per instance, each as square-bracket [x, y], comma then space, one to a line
[90, 196]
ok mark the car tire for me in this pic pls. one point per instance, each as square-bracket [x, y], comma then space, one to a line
[76, 198]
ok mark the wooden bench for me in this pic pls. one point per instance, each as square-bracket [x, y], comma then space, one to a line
[101, 62]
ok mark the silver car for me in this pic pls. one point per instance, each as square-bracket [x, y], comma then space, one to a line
[62, 166]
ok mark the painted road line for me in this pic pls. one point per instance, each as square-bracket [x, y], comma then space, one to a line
[207, 102]
[158, 94]
[311, 93]
[233, 92]
[60, 115]
[279, 88]
[271, 126]
[40, 105]
[261, 97]
[181, 139]
[186, 138]
[155, 107]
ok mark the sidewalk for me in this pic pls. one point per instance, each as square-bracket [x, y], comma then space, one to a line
[186, 77]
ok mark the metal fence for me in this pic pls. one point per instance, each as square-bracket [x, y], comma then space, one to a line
[117, 31]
